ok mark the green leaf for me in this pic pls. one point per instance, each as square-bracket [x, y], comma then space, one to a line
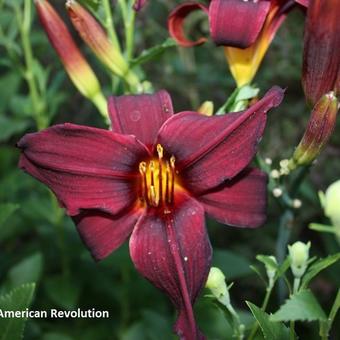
[317, 267]
[28, 270]
[322, 228]
[64, 293]
[153, 52]
[300, 307]
[267, 260]
[271, 330]
[6, 210]
[235, 265]
[10, 127]
[17, 300]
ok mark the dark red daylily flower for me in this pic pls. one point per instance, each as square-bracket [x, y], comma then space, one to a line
[153, 176]
[321, 55]
[245, 28]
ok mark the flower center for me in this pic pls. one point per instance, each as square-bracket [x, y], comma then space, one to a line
[157, 180]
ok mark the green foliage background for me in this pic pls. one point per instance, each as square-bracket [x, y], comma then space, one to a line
[38, 243]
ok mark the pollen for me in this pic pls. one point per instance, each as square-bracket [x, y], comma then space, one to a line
[157, 180]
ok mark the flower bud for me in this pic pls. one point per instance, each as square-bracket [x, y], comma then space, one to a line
[319, 129]
[330, 202]
[75, 64]
[138, 4]
[299, 255]
[207, 108]
[271, 271]
[321, 55]
[95, 37]
[217, 285]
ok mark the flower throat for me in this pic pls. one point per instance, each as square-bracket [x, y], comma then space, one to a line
[157, 180]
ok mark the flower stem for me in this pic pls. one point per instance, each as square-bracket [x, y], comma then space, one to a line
[25, 26]
[109, 25]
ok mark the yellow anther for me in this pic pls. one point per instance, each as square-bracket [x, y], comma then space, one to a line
[160, 151]
[152, 166]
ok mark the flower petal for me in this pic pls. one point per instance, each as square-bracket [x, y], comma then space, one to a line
[140, 115]
[173, 252]
[239, 202]
[86, 168]
[103, 233]
[210, 150]
[237, 23]
[176, 23]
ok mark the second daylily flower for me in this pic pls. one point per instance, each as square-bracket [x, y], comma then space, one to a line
[154, 176]
[245, 28]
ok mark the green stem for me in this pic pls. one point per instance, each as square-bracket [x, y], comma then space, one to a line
[292, 330]
[263, 308]
[130, 33]
[25, 26]
[296, 286]
[109, 25]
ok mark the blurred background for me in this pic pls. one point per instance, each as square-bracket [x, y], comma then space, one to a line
[38, 243]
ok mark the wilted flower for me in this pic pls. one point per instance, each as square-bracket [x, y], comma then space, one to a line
[75, 64]
[319, 129]
[153, 176]
[299, 255]
[321, 55]
[245, 28]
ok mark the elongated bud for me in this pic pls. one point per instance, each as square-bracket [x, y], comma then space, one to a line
[330, 202]
[206, 108]
[299, 255]
[321, 55]
[75, 64]
[319, 129]
[217, 285]
[138, 4]
[271, 270]
[95, 37]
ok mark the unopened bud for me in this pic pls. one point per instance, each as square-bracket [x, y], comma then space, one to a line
[207, 108]
[277, 192]
[138, 4]
[271, 270]
[75, 64]
[95, 37]
[299, 255]
[217, 285]
[320, 127]
[321, 52]
[330, 202]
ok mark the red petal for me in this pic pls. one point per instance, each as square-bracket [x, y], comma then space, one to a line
[174, 253]
[210, 150]
[304, 3]
[176, 23]
[239, 202]
[140, 115]
[321, 57]
[237, 23]
[103, 233]
[86, 168]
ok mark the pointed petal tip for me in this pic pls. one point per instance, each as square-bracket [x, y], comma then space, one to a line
[176, 23]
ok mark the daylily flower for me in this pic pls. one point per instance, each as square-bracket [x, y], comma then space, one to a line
[321, 55]
[245, 28]
[153, 176]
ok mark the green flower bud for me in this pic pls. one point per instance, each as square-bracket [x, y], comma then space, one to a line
[271, 271]
[217, 285]
[330, 202]
[299, 254]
